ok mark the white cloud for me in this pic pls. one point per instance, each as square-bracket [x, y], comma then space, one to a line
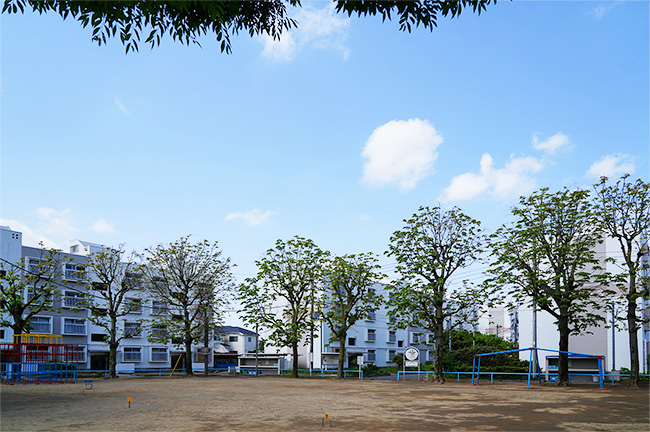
[279, 50]
[30, 237]
[121, 106]
[252, 218]
[103, 227]
[552, 144]
[511, 181]
[400, 152]
[612, 165]
[601, 10]
[317, 28]
[55, 222]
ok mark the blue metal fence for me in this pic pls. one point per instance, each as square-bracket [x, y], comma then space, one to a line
[37, 373]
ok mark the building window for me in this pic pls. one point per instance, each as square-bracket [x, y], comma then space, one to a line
[159, 354]
[99, 286]
[73, 299]
[74, 249]
[372, 335]
[431, 339]
[2, 333]
[159, 308]
[132, 330]
[430, 355]
[73, 272]
[132, 354]
[34, 265]
[250, 339]
[98, 337]
[233, 339]
[78, 354]
[372, 315]
[42, 297]
[41, 324]
[159, 332]
[372, 356]
[400, 343]
[391, 354]
[133, 306]
[37, 353]
[74, 326]
[352, 341]
[392, 336]
[416, 338]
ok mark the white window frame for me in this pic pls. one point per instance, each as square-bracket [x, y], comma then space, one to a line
[49, 319]
[372, 316]
[390, 357]
[63, 330]
[371, 337]
[372, 353]
[72, 274]
[83, 350]
[133, 335]
[33, 261]
[159, 328]
[392, 337]
[139, 351]
[38, 353]
[153, 358]
[129, 304]
[76, 296]
[159, 307]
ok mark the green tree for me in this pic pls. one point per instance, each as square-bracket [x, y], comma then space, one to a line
[546, 256]
[283, 294]
[187, 20]
[194, 284]
[624, 208]
[111, 280]
[466, 344]
[432, 246]
[29, 288]
[348, 296]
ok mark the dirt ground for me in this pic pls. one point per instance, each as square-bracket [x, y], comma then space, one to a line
[285, 404]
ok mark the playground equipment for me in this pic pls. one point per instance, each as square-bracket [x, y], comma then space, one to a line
[38, 358]
[530, 363]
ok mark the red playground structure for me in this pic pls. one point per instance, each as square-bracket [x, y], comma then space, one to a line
[38, 358]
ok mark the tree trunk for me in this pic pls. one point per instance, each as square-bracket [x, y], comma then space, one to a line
[342, 340]
[112, 348]
[563, 360]
[440, 346]
[634, 345]
[188, 356]
[294, 372]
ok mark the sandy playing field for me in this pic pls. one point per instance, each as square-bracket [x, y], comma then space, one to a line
[285, 404]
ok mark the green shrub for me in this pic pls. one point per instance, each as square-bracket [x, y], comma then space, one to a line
[370, 369]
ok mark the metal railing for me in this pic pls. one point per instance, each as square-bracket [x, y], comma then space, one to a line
[523, 374]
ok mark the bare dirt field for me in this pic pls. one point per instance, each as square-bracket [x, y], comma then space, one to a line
[285, 404]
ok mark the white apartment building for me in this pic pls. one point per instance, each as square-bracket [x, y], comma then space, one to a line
[372, 338]
[612, 343]
[134, 352]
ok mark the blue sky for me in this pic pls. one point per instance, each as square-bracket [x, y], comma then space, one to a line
[337, 133]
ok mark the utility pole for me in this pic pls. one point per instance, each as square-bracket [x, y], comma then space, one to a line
[613, 337]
